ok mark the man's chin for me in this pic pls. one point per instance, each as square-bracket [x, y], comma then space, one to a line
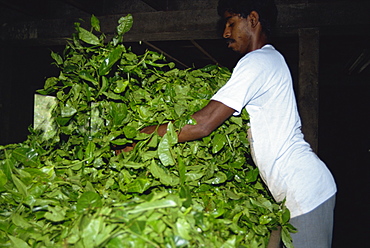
[235, 50]
[230, 46]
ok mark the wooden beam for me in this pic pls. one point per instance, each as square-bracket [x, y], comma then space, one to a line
[83, 5]
[200, 48]
[159, 5]
[308, 99]
[331, 18]
[165, 54]
[30, 8]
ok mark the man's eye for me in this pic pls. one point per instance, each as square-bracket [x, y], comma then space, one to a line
[231, 24]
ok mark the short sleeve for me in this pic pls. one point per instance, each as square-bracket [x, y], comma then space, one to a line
[244, 84]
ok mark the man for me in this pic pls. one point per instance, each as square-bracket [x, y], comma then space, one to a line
[261, 83]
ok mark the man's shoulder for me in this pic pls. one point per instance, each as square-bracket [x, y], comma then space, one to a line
[265, 51]
[262, 56]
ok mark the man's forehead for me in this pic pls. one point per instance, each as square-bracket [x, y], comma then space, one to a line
[229, 15]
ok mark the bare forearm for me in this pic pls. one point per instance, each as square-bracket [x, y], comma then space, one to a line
[187, 133]
[192, 132]
[207, 119]
[161, 129]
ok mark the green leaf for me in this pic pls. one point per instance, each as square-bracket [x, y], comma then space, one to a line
[139, 185]
[90, 151]
[164, 147]
[285, 217]
[232, 195]
[134, 165]
[113, 96]
[145, 112]
[218, 142]
[21, 187]
[194, 176]
[87, 76]
[57, 58]
[252, 175]
[286, 238]
[153, 141]
[110, 60]
[67, 111]
[164, 151]
[62, 121]
[27, 156]
[186, 194]
[90, 232]
[87, 36]
[116, 242]
[88, 200]
[50, 83]
[120, 142]
[19, 221]
[7, 166]
[171, 134]
[55, 214]
[146, 206]
[264, 219]
[16, 242]
[95, 23]
[208, 68]
[121, 86]
[183, 228]
[182, 170]
[180, 109]
[3, 180]
[118, 112]
[125, 24]
[130, 132]
[231, 243]
[163, 175]
[104, 85]
[218, 178]
[237, 120]
[137, 226]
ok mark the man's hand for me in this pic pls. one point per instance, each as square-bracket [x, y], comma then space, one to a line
[126, 148]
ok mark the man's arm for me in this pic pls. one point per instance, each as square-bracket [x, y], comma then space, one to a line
[208, 119]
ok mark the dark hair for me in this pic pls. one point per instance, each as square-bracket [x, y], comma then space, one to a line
[266, 10]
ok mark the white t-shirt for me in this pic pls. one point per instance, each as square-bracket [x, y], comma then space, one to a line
[261, 82]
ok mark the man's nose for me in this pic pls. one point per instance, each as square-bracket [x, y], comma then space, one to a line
[226, 33]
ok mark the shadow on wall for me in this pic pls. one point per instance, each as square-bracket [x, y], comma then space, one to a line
[344, 145]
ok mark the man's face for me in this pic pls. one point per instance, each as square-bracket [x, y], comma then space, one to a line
[238, 33]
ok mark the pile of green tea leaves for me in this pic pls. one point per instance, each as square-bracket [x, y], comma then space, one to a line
[68, 188]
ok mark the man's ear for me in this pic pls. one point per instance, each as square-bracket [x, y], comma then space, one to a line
[254, 18]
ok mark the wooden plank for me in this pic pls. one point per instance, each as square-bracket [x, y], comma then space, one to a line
[166, 54]
[159, 5]
[200, 48]
[84, 5]
[331, 18]
[108, 7]
[308, 100]
[30, 8]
